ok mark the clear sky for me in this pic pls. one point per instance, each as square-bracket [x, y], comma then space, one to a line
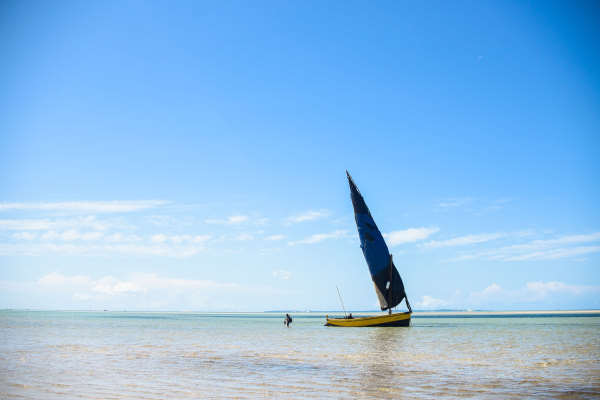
[192, 155]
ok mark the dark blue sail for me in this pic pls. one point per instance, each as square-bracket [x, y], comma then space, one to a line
[388, 284]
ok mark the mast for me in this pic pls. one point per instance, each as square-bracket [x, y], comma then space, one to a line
[341, 301]
[390, 285]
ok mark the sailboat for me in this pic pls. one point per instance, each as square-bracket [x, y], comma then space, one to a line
[386, 279]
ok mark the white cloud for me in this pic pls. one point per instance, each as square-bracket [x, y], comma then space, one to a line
[261, 221]
[161, 220]
[490, 294]
[178, 239]
[468, 256]
[275, 237]
[103, 249]
[531, 292]
[71, 235]
[112, 286]
[455, 202]
[554, 254]
[147, 250]
[409, 235]
[231, 220]
[89, 222]
[244, 237]
[569, 239]
[86, 287]
[120, 237]
[319, 237]
[494, 288]
[495, 205]
[82, 296]
[24, 235]
[540, 249]
[158, 238]
[541, 289]
[154, 281]
[431, 302]
[139, 291]
[117, 206]
[68, 235]
[465, 240]
[282, 274]
[237, 219]
[26, 224]
[91, 235]
[308, 216]
[473, 205]
[56, 279]
[201, 238]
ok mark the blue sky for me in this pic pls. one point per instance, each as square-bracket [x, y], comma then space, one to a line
[191, 155]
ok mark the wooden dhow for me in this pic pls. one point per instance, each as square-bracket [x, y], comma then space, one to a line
[386, 279]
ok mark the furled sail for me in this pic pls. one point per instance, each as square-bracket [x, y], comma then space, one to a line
[388, 284]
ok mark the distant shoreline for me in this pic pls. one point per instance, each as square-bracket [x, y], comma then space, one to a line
[422, 313]
[481, 313]
[505, 313]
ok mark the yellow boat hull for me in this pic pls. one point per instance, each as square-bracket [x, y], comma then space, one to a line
[398, 319]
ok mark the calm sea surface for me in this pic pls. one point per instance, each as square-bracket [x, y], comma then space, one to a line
[113, 355]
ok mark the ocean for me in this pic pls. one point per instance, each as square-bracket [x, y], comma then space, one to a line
[131, 355]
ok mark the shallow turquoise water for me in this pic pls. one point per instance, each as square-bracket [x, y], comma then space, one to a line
[101, 355]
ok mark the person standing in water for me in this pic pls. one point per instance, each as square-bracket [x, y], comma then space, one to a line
[288, 320]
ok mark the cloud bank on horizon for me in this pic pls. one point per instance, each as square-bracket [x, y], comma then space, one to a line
[136, 236]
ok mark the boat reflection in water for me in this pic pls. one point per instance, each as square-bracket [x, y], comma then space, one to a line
[381, 373]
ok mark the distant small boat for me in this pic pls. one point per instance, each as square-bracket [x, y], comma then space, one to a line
[388, 284]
